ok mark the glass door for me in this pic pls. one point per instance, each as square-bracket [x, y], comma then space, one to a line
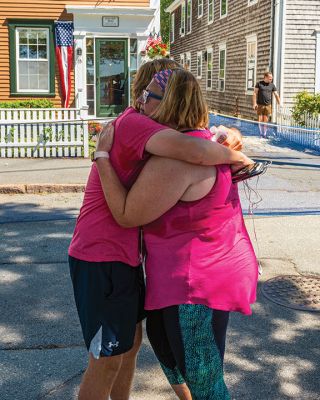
[111, 76]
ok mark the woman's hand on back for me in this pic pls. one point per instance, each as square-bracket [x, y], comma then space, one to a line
[105, 138]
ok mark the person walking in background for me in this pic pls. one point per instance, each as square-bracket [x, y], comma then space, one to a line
[262, 100]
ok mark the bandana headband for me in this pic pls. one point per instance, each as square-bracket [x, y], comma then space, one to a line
[162, 78]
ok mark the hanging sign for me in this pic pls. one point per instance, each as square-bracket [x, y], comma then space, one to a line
[110, 21]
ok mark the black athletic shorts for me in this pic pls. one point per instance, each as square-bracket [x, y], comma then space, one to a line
[110, 298]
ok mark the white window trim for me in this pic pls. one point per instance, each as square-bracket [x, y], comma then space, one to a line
[226, 14]
[209, 50]
[183, 13]
[172, 26]
[222, 46]
[199, 53]
[182, 59]
[188, 32]
[200, 15]
[211, 21]
[39, 91]
[188, 57]
[252, 2]
[251, 39]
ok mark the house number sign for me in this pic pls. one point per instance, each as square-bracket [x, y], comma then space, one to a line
[110, 21]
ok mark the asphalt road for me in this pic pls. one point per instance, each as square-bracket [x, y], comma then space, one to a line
[272, 355]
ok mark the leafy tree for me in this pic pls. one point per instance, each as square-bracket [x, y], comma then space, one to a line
[165, 20]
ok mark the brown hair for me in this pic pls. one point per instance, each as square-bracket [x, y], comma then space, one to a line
[267, 73]
[183, 104]
[145, 74]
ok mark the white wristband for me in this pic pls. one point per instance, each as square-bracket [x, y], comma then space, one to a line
[99, 154]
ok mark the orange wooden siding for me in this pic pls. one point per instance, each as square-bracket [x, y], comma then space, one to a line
[41, 10]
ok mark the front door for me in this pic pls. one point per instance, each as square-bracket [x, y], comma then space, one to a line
[111, 76]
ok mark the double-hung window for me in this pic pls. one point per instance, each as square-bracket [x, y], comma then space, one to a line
[172, 28]
[223, 8]
[188, 61]
[209, 69]
[199, 64]
[200, 8]
[183, 19]
[222, 67]
[251, 62]
[189, 15]
[210, 11]
[182, 60]
[31, 58]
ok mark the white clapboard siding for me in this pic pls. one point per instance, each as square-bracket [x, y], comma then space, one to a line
[44, 133]
[302, 18]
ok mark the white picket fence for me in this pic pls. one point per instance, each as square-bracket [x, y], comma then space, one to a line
[51, 132]
[288, 129]
[284, 117]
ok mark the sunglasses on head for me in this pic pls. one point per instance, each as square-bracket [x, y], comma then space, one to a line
[148, 93]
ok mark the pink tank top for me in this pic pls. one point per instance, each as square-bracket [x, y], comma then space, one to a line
[200, 252]
[97, 237]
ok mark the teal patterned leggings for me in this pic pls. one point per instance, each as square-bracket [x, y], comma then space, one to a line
[183, 341]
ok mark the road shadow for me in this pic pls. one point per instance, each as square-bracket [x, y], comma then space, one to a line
[272, 355]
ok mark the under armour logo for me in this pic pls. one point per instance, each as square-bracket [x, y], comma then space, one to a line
[115, 344]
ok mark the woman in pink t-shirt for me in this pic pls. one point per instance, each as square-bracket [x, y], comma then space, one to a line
[104, 257]
[199, 254]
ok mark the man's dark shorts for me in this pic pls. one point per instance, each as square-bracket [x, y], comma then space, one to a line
[110, 299]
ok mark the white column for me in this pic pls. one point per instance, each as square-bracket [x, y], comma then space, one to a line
[317, 77]
[80, 70]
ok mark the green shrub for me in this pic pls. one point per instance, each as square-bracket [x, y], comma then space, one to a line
[305, 103]
[32, 103]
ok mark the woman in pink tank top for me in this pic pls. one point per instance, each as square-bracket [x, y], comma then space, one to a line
[199, 256]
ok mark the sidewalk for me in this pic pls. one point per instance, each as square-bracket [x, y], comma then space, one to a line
[38, 175]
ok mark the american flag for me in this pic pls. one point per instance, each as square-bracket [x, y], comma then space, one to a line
[64, 51]
[149, 41]
[158, 38]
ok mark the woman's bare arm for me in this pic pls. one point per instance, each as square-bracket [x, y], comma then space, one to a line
[173, 144]
[159, 186]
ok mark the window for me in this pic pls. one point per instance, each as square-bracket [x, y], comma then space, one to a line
[172, 28]
[223, 8]
[251, 62]
[90, 67]
[210, 11]
[182, 60]
[133, 60]
[183, 19]
[251, 2]
[188, 61]
[189, 15]
[200, 8]
[209, 69]
[31, 58]
[222, 68]
[199, 64]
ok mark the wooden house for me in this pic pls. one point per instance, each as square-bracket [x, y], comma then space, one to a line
[108, 39]
[229, 44]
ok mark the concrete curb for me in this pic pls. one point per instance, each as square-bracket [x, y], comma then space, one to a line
[39, 188]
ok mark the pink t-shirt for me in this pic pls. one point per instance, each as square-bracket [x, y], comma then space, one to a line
[97, 237]
[200, 252]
